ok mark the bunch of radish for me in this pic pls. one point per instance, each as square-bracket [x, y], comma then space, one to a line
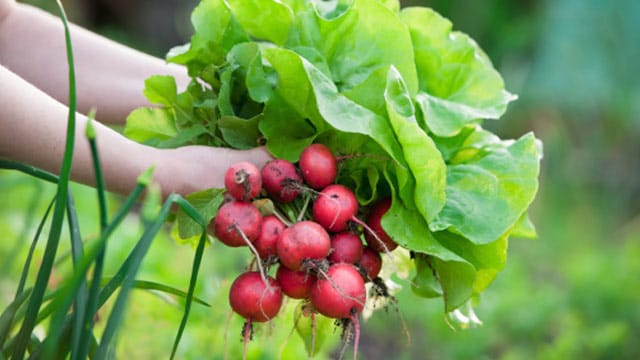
[316, 250]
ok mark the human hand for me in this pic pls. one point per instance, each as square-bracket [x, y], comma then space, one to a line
[193, 168]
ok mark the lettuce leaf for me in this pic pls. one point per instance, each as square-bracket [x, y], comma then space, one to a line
[458, 84]
[487, 196]
[424, 161]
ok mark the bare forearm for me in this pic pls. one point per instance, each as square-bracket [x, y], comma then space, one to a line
[33, 130]
[109, 76]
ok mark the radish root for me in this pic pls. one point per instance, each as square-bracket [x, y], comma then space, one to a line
[247, 331]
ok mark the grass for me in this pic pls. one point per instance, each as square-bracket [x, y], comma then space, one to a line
[70, 310]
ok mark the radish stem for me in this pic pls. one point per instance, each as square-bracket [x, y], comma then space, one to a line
[373, 233]
[255, 253]
[307, 200]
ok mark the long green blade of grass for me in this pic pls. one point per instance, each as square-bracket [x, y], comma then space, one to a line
[100, 186]
[47, 297]
[29, 170]
[35, 301]
[37, 351]
[195, 215]
[77, 252]
[157, 287]
[32, 248]
[77, 248]
[192, 285]
[138, 284]
[83, 344]
[9, 313]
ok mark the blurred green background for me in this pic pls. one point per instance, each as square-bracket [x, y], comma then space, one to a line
[572, 293]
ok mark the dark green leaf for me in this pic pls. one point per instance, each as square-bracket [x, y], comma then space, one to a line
[29, 170]
[206, 202]
[225, 104]
[425, 283]
[60, 305]
[240, 133]
[83, 298]
[286, 131]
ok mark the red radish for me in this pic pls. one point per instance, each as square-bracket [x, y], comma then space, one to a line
[318, 165]
[303, 240]
[377, 238]
[371, 263]
[266, 243]
[345, 247]
[295, 284]
[335, 206]
[281, 180]
[237, 222]
[340, 294]
[252, 299]
[243, 181]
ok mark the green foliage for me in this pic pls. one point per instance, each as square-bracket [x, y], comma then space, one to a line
[367, 78]
[206, 202]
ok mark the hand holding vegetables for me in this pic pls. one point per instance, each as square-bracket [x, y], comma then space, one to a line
[396, 94]
[109, 77]
[318, 249]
